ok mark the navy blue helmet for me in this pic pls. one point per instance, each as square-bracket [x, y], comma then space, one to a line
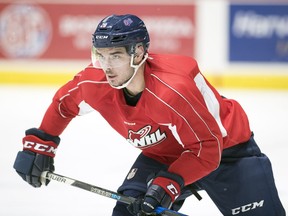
[121, 30]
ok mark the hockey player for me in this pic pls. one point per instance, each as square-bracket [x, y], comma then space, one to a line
[190, 136]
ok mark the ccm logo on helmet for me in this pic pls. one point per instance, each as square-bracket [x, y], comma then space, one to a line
[101, 37]
[39, 147]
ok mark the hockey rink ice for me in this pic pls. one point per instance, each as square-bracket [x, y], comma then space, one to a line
[90, 151]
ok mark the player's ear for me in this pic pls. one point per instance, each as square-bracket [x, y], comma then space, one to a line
[139, 54]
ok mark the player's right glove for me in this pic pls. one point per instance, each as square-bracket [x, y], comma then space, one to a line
[162, 191]
[37, 156]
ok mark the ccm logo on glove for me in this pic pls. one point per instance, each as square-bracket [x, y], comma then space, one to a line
[37, 145]
[172, 189]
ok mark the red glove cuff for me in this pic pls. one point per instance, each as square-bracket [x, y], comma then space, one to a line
[171, 187]
[37, 145]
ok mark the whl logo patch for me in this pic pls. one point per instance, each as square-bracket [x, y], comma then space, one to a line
[143, 138]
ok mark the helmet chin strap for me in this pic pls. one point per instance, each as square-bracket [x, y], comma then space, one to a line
[136, 67]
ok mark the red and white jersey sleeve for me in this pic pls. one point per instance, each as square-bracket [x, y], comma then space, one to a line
[180, 119]
[69, 101]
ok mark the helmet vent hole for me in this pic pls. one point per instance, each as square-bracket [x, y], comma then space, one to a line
[118, 38]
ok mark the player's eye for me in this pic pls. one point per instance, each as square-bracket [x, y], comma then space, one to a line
[116, 57]
[100, 56]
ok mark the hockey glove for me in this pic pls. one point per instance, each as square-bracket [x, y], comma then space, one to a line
[163, 191]
[37, 156]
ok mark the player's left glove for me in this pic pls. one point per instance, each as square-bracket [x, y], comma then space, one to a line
[163, 191]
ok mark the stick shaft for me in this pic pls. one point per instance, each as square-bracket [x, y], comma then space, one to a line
[87, 187]
[101, 191]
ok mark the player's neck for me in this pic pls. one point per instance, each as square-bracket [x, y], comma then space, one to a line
[137, 85]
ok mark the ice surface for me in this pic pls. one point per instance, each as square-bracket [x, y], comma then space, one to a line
[92, 152]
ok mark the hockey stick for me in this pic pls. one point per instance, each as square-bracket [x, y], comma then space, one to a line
[103, 192]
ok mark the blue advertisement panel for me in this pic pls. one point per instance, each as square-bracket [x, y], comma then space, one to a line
[258, 33]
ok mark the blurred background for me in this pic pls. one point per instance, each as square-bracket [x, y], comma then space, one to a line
[241, 47]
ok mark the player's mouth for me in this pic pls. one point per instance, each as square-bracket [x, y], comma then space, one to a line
[111, 76]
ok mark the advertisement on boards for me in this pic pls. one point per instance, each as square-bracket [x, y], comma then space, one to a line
[258, 33]
[64, 31]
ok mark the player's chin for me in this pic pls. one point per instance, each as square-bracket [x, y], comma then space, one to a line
[113, 84]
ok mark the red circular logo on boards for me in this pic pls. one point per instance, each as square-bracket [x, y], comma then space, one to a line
[25, 31]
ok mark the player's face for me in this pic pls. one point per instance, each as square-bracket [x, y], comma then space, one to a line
[115, 62]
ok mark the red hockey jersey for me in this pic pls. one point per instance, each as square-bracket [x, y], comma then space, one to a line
[180, 119]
